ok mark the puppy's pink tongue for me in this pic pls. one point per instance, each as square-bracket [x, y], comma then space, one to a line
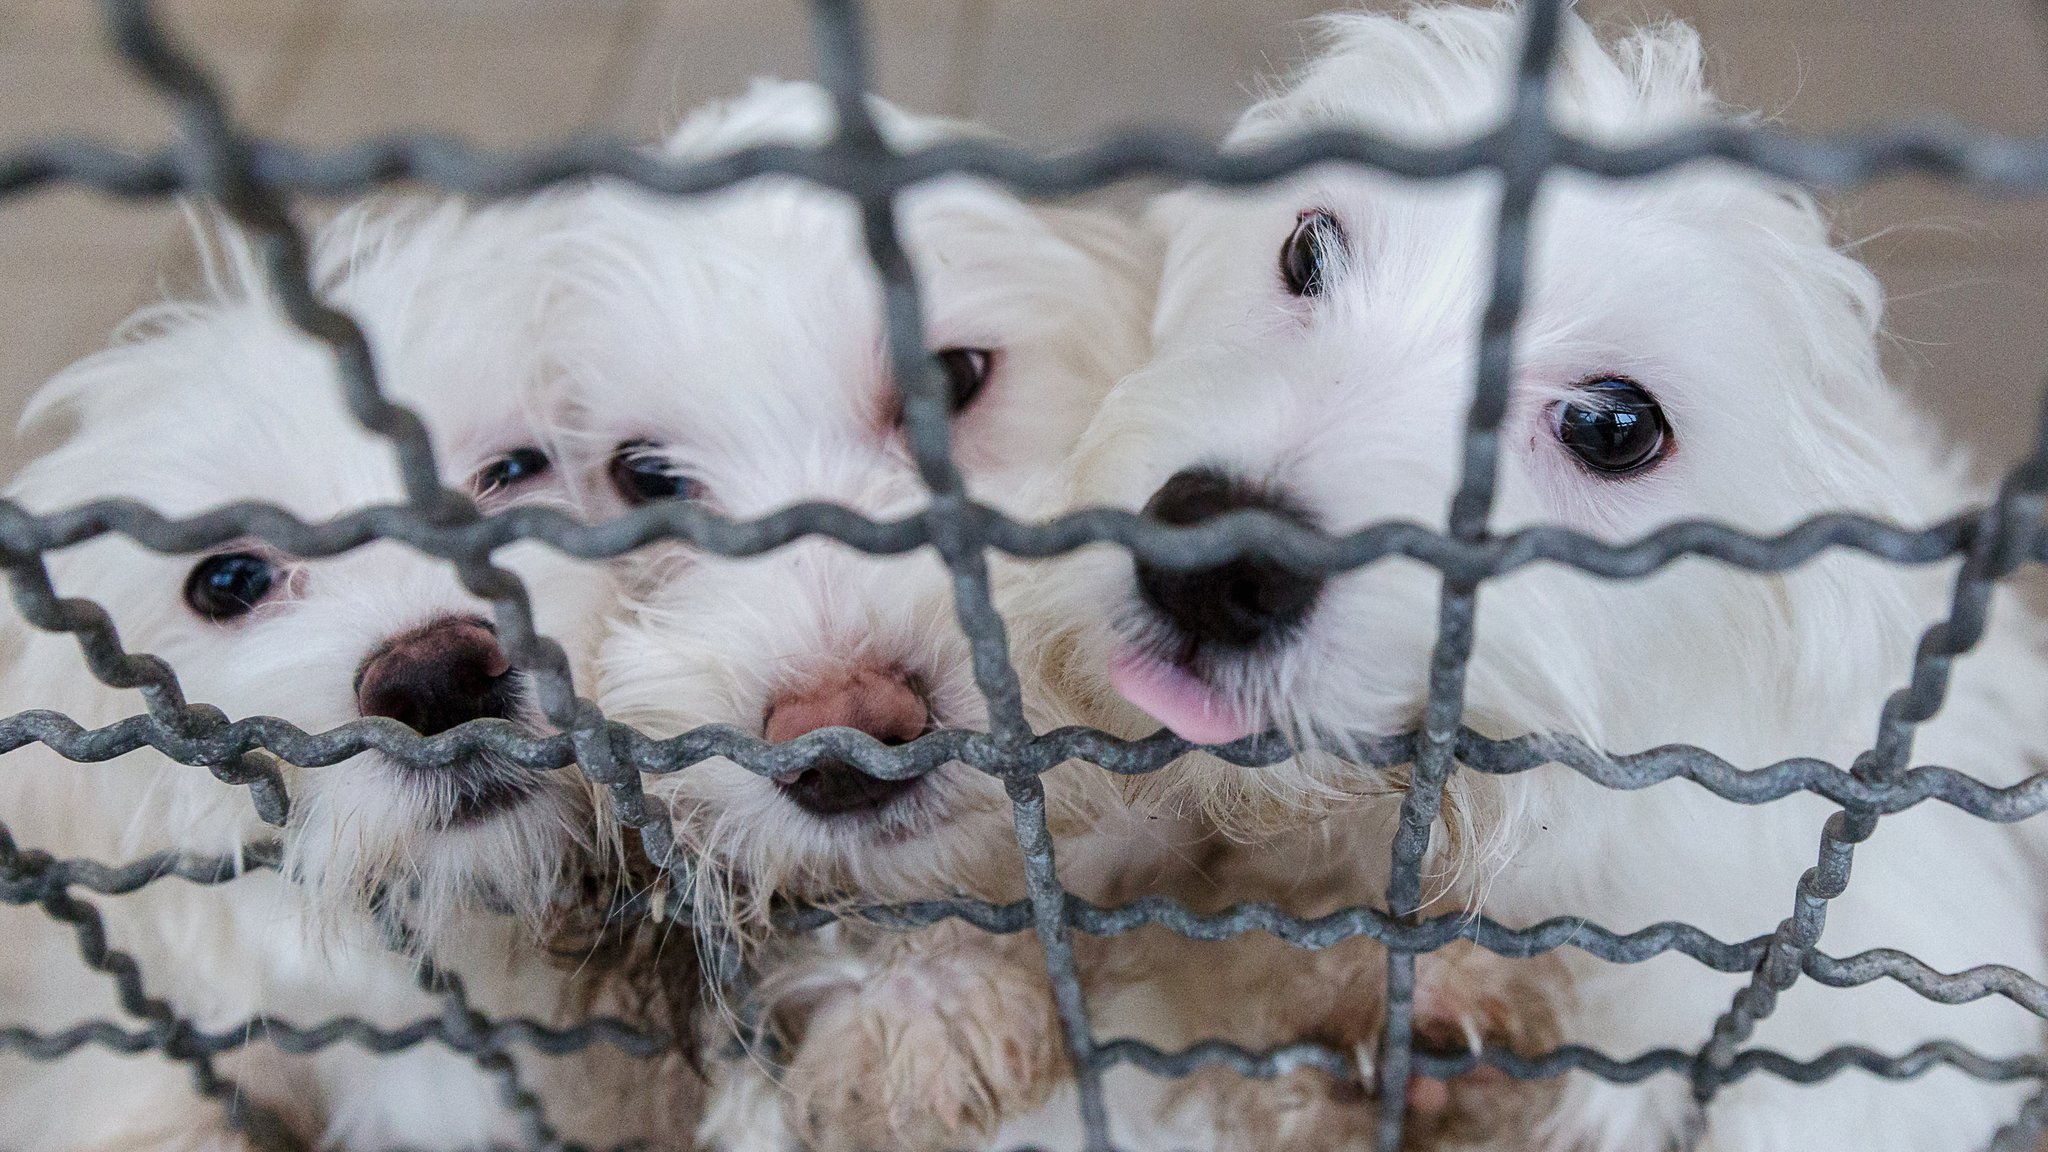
[1177, 699]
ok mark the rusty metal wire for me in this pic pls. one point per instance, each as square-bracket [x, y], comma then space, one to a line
[255, 181]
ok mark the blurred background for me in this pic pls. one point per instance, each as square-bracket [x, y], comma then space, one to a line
[1968, 278]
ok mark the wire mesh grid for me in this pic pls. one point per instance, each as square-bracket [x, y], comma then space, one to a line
[255, 180]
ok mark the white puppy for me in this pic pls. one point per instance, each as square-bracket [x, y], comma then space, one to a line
[730, 352]
[1693, 346]
[217, 401]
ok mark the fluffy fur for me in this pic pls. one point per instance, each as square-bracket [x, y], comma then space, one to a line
[738, 341]
[218, 400]
[1721, 294]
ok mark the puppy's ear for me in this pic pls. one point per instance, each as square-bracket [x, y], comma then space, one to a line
[770, 111]
[1124, 245]
[143, 359]
[118, 400]
[1205, 234]
[799, 112]
[1666, 65]
[1169, 211]
[230, 269]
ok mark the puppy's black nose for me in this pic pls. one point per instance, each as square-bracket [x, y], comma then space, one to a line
[1235, 605]
[432, 678]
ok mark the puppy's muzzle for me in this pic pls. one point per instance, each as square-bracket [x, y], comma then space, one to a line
[1241, 605]
[448, 672]
[880, 702]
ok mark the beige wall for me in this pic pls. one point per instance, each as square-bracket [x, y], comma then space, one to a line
[1970, 313]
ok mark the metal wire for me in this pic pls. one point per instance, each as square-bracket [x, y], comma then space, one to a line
[255, 181]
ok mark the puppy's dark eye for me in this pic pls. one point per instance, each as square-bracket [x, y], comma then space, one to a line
[223, 587]
[1311, 254]
[640, 475]
[510, 470]
[967, 372]
[1613, 426]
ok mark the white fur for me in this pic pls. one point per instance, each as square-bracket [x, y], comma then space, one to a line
[742, 336]
[1721, 293]
[205, 403]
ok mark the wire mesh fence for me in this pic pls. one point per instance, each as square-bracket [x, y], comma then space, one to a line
[255, 180]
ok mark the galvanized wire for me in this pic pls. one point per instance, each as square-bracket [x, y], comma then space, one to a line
[256, 180]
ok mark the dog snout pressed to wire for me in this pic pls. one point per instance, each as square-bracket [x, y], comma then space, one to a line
[882, 702]
[1241, 604]
[432, 678]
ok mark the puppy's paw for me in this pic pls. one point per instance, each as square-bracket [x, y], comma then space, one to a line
[1466, 1000]
[1303, 1111]
[1472, 1001]
[930, 1052]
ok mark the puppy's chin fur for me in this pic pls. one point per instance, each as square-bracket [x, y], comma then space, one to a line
[953, 835]
[387, 838]
[698, 648]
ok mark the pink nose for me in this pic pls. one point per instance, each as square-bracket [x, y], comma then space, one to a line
[879, 702]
